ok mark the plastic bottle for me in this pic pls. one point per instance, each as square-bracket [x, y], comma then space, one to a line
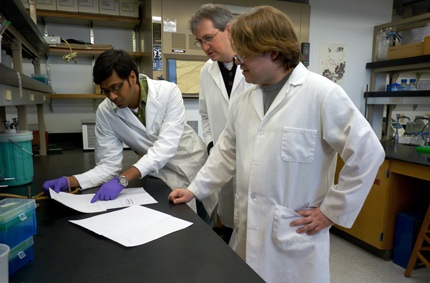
[403, 85]
[395, 87]
[412, 84]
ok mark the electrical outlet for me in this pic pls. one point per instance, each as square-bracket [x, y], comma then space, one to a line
[8, 95]
[31, 97]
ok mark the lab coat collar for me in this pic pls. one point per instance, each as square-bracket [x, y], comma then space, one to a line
[298, 75]
[296, 78]
[215, 72]
[152, 105]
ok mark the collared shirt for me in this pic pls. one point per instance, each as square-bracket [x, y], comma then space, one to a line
[143, 97]
[228, 76]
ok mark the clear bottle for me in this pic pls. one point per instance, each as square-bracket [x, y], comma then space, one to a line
[395, 87]
[412, 84]
[403, 85]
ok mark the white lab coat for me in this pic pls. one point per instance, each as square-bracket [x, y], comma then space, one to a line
[213, 108]
[285, 160]
[170, 148]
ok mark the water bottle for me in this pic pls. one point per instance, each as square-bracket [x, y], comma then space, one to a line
[403, 86]
[412, 84]
[395, 87]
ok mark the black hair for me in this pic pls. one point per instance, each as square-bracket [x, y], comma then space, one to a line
[114, 60]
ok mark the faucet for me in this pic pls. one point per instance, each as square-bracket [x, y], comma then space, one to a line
[396, 135]
[398, 117]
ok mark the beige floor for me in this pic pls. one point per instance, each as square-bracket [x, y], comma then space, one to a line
[351, 264]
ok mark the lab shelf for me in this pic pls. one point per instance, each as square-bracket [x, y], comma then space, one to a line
[379, 104]
[403, 63]
[87, 19]
[23, 29]
[419, 97]
[22, 39]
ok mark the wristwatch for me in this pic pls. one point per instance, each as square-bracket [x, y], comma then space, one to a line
[123, 181]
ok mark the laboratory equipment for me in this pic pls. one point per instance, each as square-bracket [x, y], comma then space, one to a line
[16, 158]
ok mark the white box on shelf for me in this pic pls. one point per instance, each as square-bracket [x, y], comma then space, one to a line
[52, 39]
[109, 7]
[46, 5]
[129, 8]
[67, 5]
[89, 134]
[89, 6]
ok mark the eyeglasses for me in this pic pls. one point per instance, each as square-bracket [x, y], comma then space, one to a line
[239, 58]
[205, 40]
[114, 89]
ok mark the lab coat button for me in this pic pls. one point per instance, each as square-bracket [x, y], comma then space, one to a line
[253, 196]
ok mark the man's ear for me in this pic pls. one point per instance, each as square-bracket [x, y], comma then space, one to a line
[133, 77]
[228, 28]
[274, 54]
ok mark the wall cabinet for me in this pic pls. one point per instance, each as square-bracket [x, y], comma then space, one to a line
[377, 99]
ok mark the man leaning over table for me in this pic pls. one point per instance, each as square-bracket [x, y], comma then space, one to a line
[148, 116]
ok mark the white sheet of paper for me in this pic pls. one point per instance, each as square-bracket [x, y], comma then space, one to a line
[133, 226]
[82, 202]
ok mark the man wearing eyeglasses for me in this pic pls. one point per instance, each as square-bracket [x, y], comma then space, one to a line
[220, 81]
[149, 117]
[281, 142]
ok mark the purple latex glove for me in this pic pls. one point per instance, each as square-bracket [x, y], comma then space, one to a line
[60, 184]
[109, 190]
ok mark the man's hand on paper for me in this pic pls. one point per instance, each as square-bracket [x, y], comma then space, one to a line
[109, 190]
[58, 185]
[179, 195]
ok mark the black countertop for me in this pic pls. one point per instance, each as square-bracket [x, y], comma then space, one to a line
[64, 252]
[406, 153]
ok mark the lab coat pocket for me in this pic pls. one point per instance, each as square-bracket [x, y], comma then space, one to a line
[298, 145]
[284, 236]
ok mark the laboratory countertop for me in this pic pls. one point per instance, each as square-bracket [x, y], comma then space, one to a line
[406, 153]
[65, 252]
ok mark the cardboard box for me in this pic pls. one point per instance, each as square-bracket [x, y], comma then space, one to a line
[426, 47]
[109, 7]
[129, 8]
[405, 50]
[89, 6]
[46, 5]
[67, 5]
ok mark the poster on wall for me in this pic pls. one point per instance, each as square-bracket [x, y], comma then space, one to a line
[332, 61]
[188, 76]
[157, 65]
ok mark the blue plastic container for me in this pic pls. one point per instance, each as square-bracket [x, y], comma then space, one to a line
[21, 255]
[16, 158]
[407, 228]
[17, 220]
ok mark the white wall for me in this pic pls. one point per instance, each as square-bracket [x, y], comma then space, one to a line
[351, 23]
[335, 21]
[348, 22]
